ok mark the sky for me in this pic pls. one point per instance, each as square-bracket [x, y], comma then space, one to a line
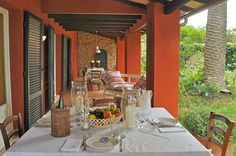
[200, 19]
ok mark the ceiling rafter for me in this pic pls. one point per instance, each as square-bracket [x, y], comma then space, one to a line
[174, 5]
[106, 24]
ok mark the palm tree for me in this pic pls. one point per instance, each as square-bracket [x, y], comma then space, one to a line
[215, 45]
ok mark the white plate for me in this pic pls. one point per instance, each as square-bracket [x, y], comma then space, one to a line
[43, 122]
[95, 143]
[165, 121]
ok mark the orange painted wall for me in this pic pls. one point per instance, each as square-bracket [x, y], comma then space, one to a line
[133, 53]
[16, 10]
[120, 55]
[74, 42]
[163, 57]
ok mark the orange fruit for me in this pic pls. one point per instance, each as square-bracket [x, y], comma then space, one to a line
[107, 115]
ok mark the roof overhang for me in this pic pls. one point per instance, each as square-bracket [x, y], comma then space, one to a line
[112, 18]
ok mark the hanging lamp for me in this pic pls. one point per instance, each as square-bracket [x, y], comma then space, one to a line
[97, 48]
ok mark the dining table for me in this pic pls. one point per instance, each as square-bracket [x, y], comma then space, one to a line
[38, 141]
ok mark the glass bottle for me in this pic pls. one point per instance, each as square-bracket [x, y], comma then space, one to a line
[129, 106]
[79, 93]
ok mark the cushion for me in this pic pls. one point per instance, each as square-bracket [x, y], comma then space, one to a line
[120, 86]
[141, 83]
[115, 77]
[104, 77]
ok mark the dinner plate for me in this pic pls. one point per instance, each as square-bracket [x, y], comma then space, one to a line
[98, 143]
[165, 121]
[43, 122]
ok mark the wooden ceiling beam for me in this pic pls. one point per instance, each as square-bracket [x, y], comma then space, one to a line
[174, 5]
[142, 6]
[202, 1]
[94, 17]
[204, 7]
[95, 29]
[97, 21]
[96, 24]
[104, 34]
[186, 9]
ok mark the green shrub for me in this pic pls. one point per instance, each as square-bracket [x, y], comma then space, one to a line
[230, 62]
[195, 122]
[230, 81]
[187, 50]
[190, 79]
[209, 90]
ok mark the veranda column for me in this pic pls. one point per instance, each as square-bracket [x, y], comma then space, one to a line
[133, 53]
[163, 40]
[120, 55]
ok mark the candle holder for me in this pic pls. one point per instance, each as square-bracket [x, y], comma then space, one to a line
[92, 64]
[98, 63]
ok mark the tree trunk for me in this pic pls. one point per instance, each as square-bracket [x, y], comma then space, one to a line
[215, 45]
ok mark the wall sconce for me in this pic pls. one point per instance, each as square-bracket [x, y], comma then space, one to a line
[44, 38]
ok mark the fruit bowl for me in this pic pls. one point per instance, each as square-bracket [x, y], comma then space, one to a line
[102, 123]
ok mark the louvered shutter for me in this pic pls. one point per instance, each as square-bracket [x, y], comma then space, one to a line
[32, 68]
[64, 64]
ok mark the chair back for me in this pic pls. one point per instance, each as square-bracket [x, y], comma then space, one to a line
[214, 129]
[95, 74]
[105, 102]
[19, 131]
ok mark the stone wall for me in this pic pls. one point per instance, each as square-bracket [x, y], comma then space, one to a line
[86, 50]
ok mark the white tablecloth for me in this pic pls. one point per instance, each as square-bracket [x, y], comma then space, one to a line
[38, 141]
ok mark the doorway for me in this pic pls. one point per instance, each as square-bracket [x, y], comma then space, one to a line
[5, 76]
[102, 57]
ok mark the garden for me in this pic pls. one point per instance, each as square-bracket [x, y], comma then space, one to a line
[196, 99]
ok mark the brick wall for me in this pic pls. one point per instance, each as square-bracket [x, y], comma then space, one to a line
[86, 50]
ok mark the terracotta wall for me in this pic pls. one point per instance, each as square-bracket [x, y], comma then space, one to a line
[120, 55]
[16, 9]
[133, 53]
[163, 57]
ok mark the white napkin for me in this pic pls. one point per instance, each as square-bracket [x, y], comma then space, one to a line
[171, 129]
[72, 145]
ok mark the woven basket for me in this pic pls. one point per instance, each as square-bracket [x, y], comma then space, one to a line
[102, 123]
[60, 126]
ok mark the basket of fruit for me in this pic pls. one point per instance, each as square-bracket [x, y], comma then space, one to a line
[104, 117]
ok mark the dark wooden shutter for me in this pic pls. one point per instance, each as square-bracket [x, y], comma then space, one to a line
[64, 65]
[49, 68]
[32, 68]
[69, 63]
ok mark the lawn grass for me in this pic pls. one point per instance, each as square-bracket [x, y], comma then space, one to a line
[222, 104]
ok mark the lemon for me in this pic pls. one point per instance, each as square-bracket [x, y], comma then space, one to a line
[92, 116]
[113, 107]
